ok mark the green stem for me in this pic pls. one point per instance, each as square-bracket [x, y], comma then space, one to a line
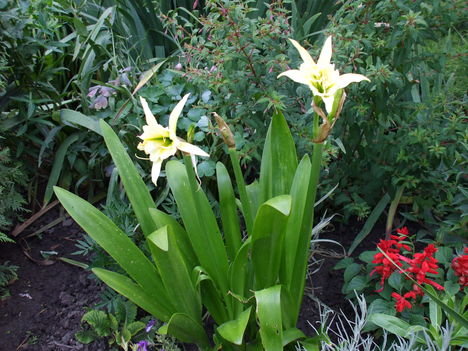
[246, 208]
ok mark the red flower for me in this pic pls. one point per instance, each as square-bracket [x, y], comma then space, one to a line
[385, 267]
[460, 267]
[403, 231]
[422, 264]
[401, 302]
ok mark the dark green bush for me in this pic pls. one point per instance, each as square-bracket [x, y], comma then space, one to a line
[408, 127]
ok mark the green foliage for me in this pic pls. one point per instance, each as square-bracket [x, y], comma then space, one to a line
[233, 55]
[7, 275]
[13, 182]
[191, 267]
[407, 127]
[118, 325]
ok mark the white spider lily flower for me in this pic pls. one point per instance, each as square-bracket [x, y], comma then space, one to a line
[321, 77]
[160, 142]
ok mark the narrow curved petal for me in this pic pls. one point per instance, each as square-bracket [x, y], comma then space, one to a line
[155, 170]
[174, 116]
[303, 52]
[348, 78]
[328, 101]
[150, 120]
[326, 53]
[295, 75]
[191, 149]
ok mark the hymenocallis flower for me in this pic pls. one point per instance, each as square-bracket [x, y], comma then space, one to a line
[321, 77]
[160, 142]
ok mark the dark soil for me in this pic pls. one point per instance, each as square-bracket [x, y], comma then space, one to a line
[48, 301]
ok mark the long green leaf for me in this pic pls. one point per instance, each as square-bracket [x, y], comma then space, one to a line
[137, 192]
[233, 331]
[229, 217]
[162, 219]
[293, 240]
[279, 159]
[269, 317]
[185, 329]
[199, 221]
[267, 240]
[74, 117]
[116, 243]
[211, 296]
[373, 217]
[299, 234]
[174, 273]
[126, 287]
[240, 276]
[57, 166]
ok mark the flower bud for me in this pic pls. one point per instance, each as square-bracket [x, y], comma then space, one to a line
[226, 132]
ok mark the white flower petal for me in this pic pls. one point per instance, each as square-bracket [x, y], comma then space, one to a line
[328, 100]
[174, 116]
[326, 53]
[303, 52]
[191, 149]
[155, 170]
[295, 75]
[150, 120]
[348, 78]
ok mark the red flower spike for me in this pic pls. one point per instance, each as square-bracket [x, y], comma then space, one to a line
[460, 267]
[401, 302]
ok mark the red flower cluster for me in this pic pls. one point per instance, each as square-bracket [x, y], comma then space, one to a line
[401, 302]
[392, 249]
[418, 267]
[422, 264]
[460, 266]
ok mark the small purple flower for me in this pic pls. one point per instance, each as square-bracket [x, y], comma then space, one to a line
[93, 90]
[124, 79]
[107, 91]
[99, 103]
[142, 345]
[150, 325]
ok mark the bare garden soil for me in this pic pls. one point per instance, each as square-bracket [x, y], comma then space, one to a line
[48, 300]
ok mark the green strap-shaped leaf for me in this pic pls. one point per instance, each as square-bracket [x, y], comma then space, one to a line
[279, 159]
[229, 217]
[267, 240]
[136, 189]
[240, 275]
[80, 119]
[126, 287]
[214, 302]
[269, 318]
[57, 166]
[296, 240]
[199, 221]
[174, 273]
[233, 331]
[292, 334]
[183, 242]
[185, 329]
[116, 243]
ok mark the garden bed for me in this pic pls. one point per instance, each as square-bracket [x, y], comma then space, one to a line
[48, 301]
